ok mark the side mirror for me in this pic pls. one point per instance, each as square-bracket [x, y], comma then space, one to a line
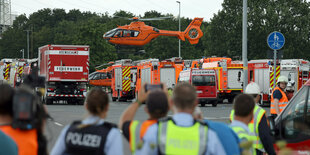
[272, 125]
[293, 83]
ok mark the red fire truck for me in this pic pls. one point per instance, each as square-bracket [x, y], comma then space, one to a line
[262, 73]
[229, 78]
[65, 68]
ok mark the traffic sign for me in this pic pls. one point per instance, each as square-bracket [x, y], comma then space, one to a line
[275, 40]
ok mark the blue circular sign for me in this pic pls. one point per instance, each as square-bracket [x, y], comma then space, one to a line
[275, 40]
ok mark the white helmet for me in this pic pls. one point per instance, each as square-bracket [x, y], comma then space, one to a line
[252, 88]
[282, 79]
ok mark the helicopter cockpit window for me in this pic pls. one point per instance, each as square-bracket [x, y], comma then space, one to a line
[118, 33]
[110, 33]
[134, 33]
[126, 33]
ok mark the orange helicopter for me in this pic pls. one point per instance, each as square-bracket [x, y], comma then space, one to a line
[139, 34]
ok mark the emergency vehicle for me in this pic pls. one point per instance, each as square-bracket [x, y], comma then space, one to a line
[121, 89]
[262, 73]
[293, 124]
[296, 70]
[205, 82]
[154, 71]
[170, 70]
[147, 72]
[229, 78]
[12, 71]
[5, 70]
[66, 69]
[189, 64]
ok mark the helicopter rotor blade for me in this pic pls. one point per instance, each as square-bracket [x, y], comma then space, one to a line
[156, 18]
[105, 64]
[127, 18]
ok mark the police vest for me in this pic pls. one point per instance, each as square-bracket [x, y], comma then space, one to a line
[253, 126]
[282, 102]
[173, 139]
[243, 135]
[137, 131]
[88, 140]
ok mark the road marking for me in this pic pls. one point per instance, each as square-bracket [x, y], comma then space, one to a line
[216, 117]
[58, 124]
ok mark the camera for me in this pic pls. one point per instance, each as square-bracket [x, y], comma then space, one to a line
[28, 110]
[25, 109]
[149, 87]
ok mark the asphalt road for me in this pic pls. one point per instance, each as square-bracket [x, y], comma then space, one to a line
[65, 114]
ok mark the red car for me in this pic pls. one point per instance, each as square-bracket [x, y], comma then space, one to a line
[293, 124]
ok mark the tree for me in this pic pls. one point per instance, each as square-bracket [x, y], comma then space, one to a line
[291, 17]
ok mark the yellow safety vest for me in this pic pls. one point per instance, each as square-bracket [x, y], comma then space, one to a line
[253, 126]
[243, 134]
[136, 132]
[178, 140]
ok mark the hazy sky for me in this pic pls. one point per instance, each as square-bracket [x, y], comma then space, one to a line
[189, 8]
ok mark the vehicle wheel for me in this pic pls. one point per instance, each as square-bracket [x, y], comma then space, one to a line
[48, 101]
[114, 99]
[81, 102]
[220, 100]
[231, 99]
[214, 103]
[122, 100]
[202, 103]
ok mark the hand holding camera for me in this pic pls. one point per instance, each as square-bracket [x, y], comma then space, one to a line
[145, 89]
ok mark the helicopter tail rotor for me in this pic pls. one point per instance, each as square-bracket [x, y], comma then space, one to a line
[193, 32]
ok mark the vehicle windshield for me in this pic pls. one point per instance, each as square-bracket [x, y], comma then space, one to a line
[110, 33]
[184, 76]
[296, 117]
[203, 80]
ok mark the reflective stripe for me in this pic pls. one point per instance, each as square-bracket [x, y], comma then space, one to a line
[253, 126]
[162, 136]
[137, 135]
[243, 134]
[203, 130]
[134, 137]
[258, 114]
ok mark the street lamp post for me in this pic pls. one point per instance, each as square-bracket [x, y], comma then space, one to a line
[179, 27]
[245, 44]
[27, 42]
[23, 51]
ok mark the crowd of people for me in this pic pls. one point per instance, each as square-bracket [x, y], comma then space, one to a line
[185, 132]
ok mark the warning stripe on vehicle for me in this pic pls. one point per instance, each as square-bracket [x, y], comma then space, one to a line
[272, 76]
[7, 70]
[62, 95]
[126, 78]
[20, 70]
